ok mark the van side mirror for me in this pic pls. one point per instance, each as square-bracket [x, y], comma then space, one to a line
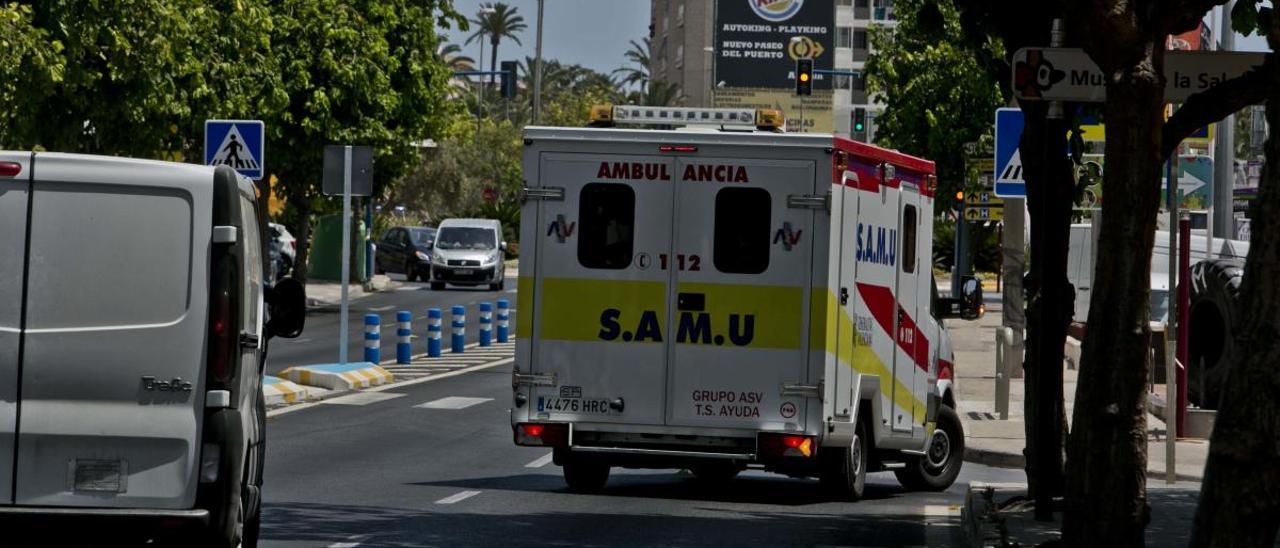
[969, 306]
[287, 304]
[502, 246]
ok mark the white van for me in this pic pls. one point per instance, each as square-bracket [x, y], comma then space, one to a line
[469, 252]
[732, 297]
[132, 339]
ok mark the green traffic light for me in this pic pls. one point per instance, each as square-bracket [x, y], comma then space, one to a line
[858, 127]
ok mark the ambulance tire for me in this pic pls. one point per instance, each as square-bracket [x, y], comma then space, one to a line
[940, 466]
[843, 470]
[585, 476]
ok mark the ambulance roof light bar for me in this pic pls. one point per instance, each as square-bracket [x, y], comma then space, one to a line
[684, 116]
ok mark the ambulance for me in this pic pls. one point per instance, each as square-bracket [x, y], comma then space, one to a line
[712, 294]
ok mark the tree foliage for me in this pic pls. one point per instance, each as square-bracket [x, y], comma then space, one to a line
[941, 97]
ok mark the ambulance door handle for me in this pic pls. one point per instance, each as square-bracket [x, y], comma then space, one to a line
[844, 296]
[691, 302]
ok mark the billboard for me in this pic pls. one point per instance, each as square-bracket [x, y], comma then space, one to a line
[811, 114]
[757, 42]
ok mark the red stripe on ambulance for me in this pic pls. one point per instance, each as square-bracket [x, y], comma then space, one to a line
[880, 301]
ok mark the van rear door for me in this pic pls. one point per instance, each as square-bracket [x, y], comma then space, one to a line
[600, 299]
[742, 259]
[111, 381]
[13, 236]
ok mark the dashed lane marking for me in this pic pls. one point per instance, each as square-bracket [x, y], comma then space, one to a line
[362, 398]
[351, 542]
[453, 402]
[457, 497]
[540, 461]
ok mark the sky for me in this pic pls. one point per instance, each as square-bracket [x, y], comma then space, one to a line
[592, 33]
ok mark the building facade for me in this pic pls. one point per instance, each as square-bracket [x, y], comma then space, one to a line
[681, 33]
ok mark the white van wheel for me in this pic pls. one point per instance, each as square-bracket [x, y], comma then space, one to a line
[940, 465]
[844, 469]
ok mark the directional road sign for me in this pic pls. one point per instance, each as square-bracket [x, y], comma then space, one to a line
[236, 143]
[981, 214]
[1008, 173]
[1069, 74]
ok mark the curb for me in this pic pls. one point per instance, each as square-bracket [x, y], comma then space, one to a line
[1000, 459]
[278, 391]
[335, 376]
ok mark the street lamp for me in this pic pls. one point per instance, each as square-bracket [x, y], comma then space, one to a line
[537, 70]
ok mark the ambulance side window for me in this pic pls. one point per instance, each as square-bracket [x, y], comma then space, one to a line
[909, 239]
[607, 212]
[742, 230]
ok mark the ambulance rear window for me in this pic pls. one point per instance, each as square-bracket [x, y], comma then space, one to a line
[742, 230]
[909, 239]
[607, 212]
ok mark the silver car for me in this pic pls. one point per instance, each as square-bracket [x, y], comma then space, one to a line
[469, 252]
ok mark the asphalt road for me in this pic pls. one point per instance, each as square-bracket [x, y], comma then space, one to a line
[319, 340]
[391, 474]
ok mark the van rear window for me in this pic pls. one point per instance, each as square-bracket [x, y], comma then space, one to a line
[606, 237]
[742, 230]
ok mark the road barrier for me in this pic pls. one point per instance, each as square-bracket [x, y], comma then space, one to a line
[372, 338]
[278, 391]
[404, 337]
[339, 376]
[434, 318]
[459, 329]
[504, 317]
[486, 324]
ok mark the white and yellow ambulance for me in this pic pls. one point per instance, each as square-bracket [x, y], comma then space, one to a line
[725, 296]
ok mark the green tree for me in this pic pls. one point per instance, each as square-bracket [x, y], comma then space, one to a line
[637, 71]
[361, 73]
[497, 21]
[936, 95]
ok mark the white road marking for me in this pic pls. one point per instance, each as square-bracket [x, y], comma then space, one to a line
[453, 402]
[351, 542]
[941, 510]
[430, 378]
[382, 308]
[300, 341]
[540, 462]
[362, 398]
[458, 497]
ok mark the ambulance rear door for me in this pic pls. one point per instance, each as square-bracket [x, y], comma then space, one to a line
[600, 295]
[742, 262]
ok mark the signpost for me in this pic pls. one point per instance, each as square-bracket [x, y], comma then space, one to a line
[1069, 74]
[983, 206]
[1008, 172]
[235, 143]
[348, 171]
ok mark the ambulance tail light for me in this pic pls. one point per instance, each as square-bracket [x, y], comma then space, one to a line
[677, 148]
[775, 446]
[542, 434]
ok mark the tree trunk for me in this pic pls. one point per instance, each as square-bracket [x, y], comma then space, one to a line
[1107, 450]
[1049, 199]
[1240, 499]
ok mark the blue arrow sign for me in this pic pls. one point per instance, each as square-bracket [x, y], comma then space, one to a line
[1008, 175]
[235, 143]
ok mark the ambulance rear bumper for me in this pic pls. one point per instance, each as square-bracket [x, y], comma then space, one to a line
[665, 453]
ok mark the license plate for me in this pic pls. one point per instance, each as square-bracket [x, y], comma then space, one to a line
[463, 272]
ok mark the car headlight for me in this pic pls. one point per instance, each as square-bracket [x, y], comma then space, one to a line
[422, 256]
[491, 259]
[437, 260]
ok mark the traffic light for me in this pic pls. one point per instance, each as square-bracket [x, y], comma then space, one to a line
[858, 127]
[804, 76]
[508, 79]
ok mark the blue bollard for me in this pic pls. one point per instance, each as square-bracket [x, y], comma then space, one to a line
[434, 317]
[486, 324]
[504, 316]
[404, 336]
[459, 328]
[372, 339]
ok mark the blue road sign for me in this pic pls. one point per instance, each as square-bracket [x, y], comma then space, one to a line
[1008, 175]
[236, 143]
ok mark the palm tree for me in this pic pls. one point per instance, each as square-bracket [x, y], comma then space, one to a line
[638, 71]
[499, 21]
[453, 59]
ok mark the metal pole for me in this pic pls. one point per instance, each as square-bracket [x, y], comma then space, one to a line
[346, 251]
[1170, 350]
[1184, 319]
[537, 70]
[1224, 153]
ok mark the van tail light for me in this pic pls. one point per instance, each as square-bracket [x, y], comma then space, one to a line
[775, 446]
[223, 338]
[542, 434]
[10, 169]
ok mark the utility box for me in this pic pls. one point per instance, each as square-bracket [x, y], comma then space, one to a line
[326, 252]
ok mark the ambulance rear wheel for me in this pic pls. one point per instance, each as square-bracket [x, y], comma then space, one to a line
[844, 469]
[585, 476]
[940, 465]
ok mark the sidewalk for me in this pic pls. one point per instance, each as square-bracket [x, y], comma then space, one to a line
[994, 442]
[326, 294]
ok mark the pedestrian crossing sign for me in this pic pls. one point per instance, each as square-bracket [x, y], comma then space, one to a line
[235, 143]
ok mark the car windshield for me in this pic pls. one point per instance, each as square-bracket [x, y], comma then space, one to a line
[465, 237]
[423, 236]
